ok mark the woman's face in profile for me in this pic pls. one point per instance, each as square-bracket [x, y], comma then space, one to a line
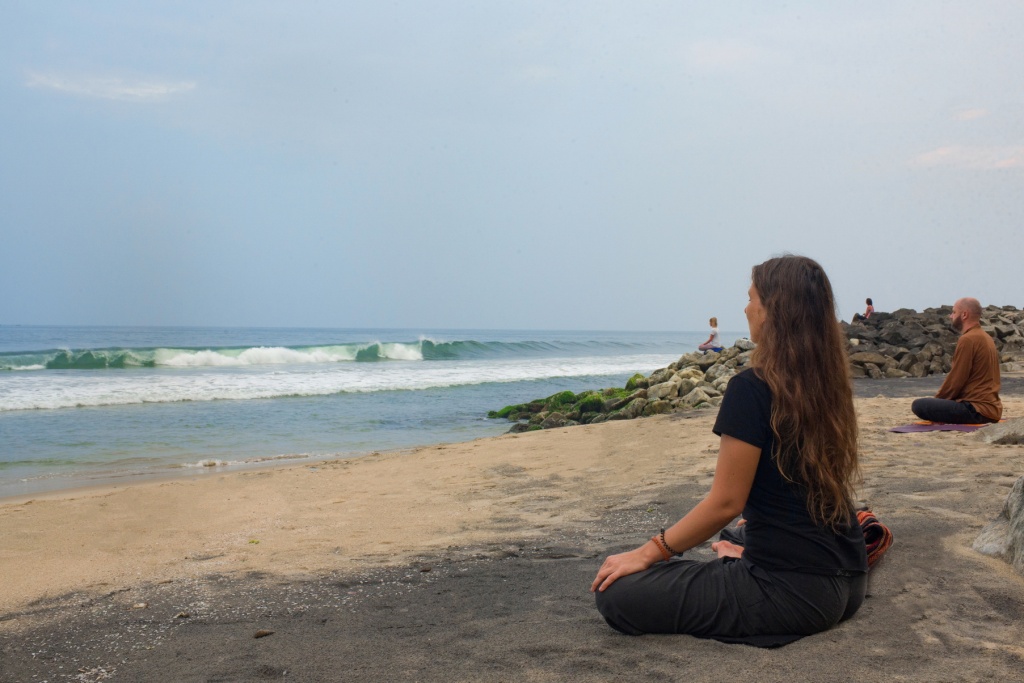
[755, 314]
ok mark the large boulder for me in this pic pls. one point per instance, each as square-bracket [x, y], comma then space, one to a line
[686, 385]
[1013, 341]
[689, 359]
[659, 376]
[668, 389]
[554, 419]
[1004, 330]
[918, 370]
[1004, 537]
[708, 359]
[694, 373]
[864, 357]
[1010, 432]
[634, 408]
[716, 371]
[657, 407]
[696, 397]
[613, 404]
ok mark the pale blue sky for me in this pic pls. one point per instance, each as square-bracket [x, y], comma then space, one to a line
[560, 165]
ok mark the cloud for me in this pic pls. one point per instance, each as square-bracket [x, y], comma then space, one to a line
[972, 158]
[110, 88]
[970, 114]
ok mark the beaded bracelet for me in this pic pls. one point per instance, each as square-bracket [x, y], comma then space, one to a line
[667, 546]
[662, 549]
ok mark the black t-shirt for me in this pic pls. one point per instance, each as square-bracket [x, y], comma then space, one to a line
[780, 533]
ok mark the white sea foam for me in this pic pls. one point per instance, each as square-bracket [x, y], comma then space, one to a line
[401, 351]
[103, 388]
[261, 355]
[213, 463]
[279, 355]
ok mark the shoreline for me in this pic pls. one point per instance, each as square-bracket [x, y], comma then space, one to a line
[100, 483]
[478, 556]
[863, 388]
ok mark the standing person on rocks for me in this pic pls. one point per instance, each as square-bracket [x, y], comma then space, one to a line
[714, 342]
[970, 392]
[788, 461]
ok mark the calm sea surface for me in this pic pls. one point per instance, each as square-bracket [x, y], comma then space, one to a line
[83, 405]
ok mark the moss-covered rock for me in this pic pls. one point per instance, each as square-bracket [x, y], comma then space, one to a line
[632, 382]
[589, 401]
[507, 411]
[657, 407]
[559, 400]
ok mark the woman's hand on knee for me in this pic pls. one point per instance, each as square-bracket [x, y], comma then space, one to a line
[617, 566]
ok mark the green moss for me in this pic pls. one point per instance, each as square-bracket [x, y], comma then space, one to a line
[565, 402]
[533, 428]
[589, 402]
[504, 412]
[511, 412]
[616, 393]
[562, 398]
[631, 382]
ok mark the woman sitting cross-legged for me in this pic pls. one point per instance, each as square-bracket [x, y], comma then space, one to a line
[714, 342]
[788, 462]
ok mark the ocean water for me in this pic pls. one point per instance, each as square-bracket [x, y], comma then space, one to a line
[85, 405]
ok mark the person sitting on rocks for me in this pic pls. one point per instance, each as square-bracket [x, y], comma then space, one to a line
[857, 317]
[714, 342]
[970, 392]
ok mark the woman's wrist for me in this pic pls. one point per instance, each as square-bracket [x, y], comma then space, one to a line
[651, 552]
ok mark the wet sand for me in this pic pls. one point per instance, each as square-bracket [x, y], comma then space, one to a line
[471, 562]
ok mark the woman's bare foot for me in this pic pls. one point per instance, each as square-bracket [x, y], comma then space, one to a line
[727, 549]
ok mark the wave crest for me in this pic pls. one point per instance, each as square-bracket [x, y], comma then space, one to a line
[424, 349]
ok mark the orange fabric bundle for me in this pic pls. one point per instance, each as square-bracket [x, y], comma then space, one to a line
[877, 537]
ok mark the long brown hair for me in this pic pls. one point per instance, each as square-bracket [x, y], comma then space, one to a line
[801, 354]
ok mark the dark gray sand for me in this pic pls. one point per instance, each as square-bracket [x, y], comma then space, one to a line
[522, 612]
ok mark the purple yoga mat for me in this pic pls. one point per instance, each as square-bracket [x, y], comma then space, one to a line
[935, 427]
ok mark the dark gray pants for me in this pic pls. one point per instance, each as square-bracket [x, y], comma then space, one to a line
[941, 410]
[730, 600]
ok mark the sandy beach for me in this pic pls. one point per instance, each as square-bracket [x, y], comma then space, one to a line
[472, 562]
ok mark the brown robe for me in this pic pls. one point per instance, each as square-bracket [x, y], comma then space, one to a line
[974, 375]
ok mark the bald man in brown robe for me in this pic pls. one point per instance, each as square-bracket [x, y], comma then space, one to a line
[970, 392]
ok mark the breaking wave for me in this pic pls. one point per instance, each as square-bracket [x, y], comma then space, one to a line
[362, 352]
[47, 391]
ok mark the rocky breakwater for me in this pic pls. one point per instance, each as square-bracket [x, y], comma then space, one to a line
[906, 343]
[903, 343]
[696, 380]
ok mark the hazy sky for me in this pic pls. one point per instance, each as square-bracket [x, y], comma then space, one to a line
[560, 165]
